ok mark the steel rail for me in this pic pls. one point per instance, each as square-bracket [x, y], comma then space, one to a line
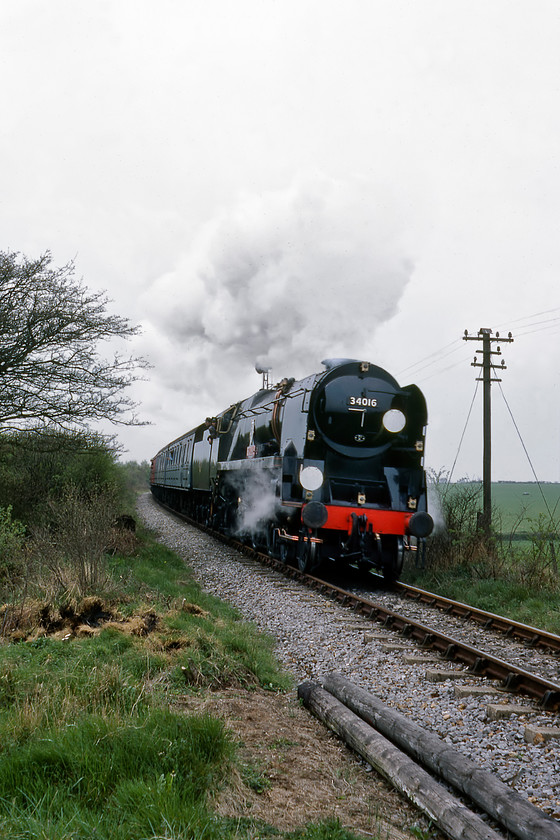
[490, 621]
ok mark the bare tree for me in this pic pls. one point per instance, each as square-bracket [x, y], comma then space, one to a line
[51, 372]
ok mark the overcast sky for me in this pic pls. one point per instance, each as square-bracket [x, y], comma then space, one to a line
[282, 181]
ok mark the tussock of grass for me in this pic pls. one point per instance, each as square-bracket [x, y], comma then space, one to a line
[155, 768]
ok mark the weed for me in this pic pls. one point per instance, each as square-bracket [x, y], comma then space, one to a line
[255, 779]
[423, 833]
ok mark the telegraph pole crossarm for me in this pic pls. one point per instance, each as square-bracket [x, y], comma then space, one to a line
[488, 368]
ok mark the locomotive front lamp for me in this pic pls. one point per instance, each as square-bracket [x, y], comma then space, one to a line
[394, 420]
[310, 478]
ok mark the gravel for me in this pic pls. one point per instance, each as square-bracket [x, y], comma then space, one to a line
[316, 636]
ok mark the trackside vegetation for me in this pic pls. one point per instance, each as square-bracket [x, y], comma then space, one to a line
[92, 744]
[103, 632]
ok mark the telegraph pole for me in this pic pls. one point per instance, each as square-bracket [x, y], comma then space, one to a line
[485, 335]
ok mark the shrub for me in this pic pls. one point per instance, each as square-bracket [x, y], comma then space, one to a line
[11, 550]
[37, 466]
[456, 541]
[72, 547]
[459, 543]
[535, 559]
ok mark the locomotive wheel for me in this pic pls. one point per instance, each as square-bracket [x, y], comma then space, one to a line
[272, 542]
[393, 558]
[307, 556]
[286, 552]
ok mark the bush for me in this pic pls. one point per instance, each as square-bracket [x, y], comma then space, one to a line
[134, 479]
[535, 559]
[11, 550]
[72, 548]
[456, 540]
[38, 466]
[458, 544]
[66, 489]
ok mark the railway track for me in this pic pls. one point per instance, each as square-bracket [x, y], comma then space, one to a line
[512, 677]
[480, 662]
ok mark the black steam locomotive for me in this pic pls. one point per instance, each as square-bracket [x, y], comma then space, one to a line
[328, 468]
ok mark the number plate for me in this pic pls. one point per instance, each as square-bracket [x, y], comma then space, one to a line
[361, 402]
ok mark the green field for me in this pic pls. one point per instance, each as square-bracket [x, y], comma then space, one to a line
[517, 506]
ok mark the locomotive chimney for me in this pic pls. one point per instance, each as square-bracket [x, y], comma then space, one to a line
[265, 376]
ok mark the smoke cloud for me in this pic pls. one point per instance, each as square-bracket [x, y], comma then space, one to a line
[281, 280]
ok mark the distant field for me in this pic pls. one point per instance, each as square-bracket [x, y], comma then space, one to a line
[511, 501]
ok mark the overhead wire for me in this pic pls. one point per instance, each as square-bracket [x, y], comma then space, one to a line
[529, 317]
[449, 477]
[442, 370]
[524, 329]
[420, 367]
[429, 356]
[527, 326]
[554, 323]
[550, 513]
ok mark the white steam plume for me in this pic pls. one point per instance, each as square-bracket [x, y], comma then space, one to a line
[436, 509]
[259, 502]
[283, 280]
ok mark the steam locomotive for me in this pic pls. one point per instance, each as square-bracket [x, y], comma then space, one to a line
[327, 468]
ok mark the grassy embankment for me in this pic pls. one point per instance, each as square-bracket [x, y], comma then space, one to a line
[518, 572]
[93, 741]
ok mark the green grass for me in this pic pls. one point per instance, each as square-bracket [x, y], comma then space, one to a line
[92, 743]
[87, 752]
[116, 778]
[46, 681]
